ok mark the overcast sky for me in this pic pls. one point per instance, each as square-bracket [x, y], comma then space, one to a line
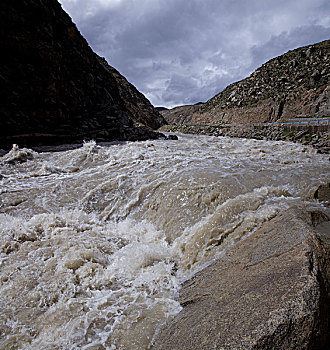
[185, 51]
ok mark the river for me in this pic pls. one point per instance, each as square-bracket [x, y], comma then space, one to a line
[95, 241]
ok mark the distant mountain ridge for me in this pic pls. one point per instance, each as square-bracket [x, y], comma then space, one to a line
[55, 89]
[295, 84]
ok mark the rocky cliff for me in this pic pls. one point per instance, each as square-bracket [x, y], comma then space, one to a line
[295, 84]
[271, 291]
[55, 89]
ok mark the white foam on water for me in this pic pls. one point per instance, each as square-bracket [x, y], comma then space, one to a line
[17, 155]
[69, 280]
[231, 221]
[94, 242]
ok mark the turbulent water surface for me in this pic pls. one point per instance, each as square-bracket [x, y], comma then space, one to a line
[95, 241]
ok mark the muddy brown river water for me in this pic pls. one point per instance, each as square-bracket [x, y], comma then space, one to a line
[95, 241]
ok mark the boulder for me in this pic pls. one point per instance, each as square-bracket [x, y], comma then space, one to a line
[271, 291]
[323, 194]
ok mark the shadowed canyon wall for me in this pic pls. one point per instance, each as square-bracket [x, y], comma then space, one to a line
[55, 89]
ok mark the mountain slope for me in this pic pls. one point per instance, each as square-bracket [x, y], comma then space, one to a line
[55, 89]
[295, 84]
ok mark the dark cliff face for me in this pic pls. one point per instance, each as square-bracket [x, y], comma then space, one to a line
[295, 84]
[55, 89]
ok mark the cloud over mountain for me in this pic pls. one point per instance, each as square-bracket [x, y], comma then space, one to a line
[180, 52]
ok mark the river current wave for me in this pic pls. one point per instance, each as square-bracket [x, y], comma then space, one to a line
[95, 241]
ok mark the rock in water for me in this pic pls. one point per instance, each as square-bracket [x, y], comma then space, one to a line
[323, 194]
[55, 89]
[271, 291]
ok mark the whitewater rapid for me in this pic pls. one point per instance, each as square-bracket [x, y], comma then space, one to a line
[95, 241]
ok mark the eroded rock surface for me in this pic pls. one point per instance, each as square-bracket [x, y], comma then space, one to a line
[55, 89]
[271, 291]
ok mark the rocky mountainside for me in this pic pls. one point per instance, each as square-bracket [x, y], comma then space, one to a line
[295, 84]
[55, 89]
[180, 114]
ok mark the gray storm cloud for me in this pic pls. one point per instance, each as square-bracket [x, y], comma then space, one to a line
[185, 51]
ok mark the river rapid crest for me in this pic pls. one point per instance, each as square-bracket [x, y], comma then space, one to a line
[95, 241]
